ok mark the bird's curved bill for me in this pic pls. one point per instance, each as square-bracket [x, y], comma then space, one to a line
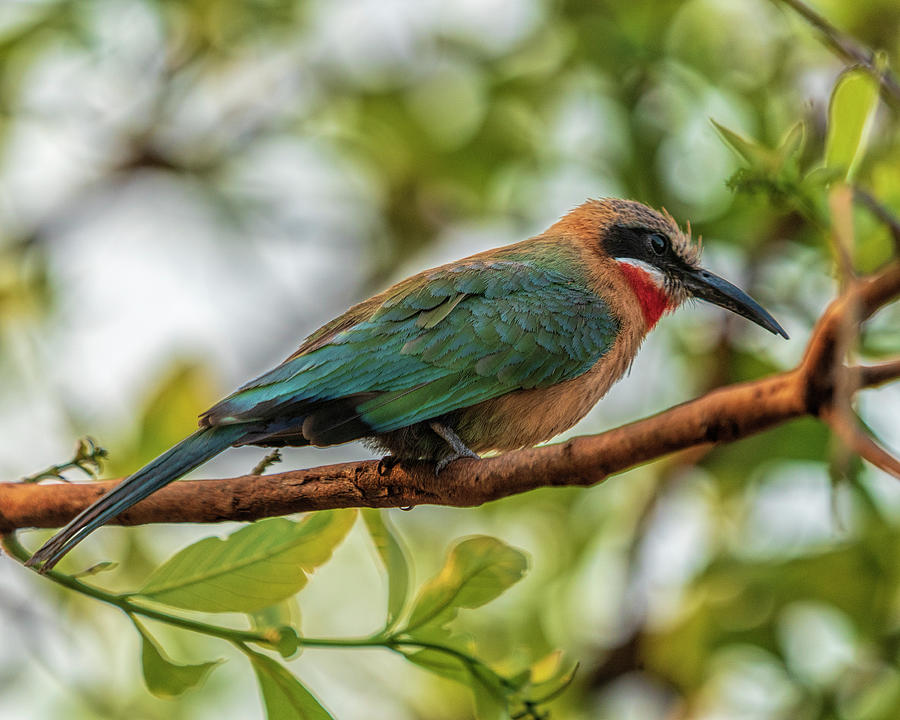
[704, 285]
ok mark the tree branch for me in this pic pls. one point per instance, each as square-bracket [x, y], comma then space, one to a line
[870, 376]
[724, 415]
[847, 428]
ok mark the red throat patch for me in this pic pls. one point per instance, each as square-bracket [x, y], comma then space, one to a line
[653, 299]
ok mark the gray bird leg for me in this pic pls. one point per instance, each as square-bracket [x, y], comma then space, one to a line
[458, 446]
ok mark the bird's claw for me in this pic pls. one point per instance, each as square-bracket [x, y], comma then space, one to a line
[446, 460]
[386, 464]
[460, 450]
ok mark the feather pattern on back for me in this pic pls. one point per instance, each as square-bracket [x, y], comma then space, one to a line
[463, 334]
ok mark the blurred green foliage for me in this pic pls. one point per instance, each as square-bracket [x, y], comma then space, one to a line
[756, 580]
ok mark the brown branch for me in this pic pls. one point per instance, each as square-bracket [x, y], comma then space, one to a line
[866, 297]
[848, 429]
[840, 201]
[723, 415]
[870, 376]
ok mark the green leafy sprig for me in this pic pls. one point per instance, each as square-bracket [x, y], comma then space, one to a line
[261, 566]
[88, 458]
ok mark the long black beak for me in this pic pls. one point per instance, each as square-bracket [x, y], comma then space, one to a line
[705, 285]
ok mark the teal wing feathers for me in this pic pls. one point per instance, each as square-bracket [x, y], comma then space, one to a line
[464, 334]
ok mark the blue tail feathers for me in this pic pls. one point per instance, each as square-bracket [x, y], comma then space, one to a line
[194, 450]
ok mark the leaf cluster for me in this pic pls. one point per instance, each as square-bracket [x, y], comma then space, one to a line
[258, 570]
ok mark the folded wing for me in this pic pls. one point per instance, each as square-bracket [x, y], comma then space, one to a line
[462, 335]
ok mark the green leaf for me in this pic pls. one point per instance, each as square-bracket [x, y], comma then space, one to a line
[488, 704]
[748, 150]
[284, 695]
[96, 569]
[792, 145]
[440, 663]
[821, 177]
[286, 612]
[288, 643]
[393, 557]
[165, 678]
[477, 570]
[491, 702]
[850, 113]
[279, 621]
[549, 676]
[253, 568]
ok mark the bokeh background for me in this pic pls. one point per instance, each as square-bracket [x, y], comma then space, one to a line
[189, 188]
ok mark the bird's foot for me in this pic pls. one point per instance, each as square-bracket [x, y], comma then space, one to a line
[445, 461]
[460, 450]
[386, 464]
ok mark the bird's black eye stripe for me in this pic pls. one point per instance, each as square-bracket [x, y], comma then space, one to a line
[659, 243]
[649, 244]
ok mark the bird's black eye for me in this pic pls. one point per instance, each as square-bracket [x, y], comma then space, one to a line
[659, 244]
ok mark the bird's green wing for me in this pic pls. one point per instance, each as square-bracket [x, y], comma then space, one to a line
[463, 334]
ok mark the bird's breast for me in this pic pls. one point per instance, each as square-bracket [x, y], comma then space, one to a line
[524, 418]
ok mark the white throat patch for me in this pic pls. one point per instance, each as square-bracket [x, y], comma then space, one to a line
[655, 274]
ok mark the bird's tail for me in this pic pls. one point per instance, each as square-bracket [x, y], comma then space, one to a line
[194, 450]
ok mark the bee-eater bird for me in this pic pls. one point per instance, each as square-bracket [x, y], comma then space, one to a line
[500, 350]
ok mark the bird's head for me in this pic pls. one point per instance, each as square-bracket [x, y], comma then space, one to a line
[658, 260]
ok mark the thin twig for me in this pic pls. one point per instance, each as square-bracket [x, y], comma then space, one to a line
[853, 436]
[871, 376]
[840, 202]
[850, 49]
[871, 293]
[272, 458]
[88, 459]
